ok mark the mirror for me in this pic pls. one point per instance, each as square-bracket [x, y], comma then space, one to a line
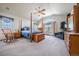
[70, 23]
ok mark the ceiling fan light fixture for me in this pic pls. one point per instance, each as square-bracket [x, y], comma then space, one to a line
[39, 11]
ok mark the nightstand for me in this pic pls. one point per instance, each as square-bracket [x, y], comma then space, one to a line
[17, 35]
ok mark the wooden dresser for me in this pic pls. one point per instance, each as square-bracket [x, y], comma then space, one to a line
[17, 35]
[72, 43]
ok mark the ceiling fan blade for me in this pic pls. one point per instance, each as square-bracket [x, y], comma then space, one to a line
[39, 11]
[43, 9]
[36, 9]
[43, 13]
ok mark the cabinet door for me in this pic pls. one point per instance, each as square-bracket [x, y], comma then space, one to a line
[74, 45]
[76, 18]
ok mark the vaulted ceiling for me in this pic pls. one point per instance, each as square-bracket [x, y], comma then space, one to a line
[24, 9]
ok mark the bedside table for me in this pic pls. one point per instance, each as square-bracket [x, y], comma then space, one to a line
[17, 35]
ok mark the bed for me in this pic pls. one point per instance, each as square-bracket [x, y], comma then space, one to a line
[25, 32]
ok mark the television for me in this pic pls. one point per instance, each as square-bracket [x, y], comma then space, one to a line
[63, 25]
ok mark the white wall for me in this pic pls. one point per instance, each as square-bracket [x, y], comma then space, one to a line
[25, 22]
[57, 18]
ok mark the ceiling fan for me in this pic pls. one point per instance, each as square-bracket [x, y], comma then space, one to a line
[39, 11]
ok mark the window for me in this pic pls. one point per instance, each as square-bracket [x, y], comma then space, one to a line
[6, 22]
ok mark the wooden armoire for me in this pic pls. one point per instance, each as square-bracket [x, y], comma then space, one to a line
[71, 37]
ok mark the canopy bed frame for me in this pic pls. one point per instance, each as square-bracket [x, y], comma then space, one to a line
[39, 35]
[35, 36]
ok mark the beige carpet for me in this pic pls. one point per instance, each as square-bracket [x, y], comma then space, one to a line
[50, 46]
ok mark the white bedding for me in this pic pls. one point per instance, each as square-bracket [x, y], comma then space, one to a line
[2, 36]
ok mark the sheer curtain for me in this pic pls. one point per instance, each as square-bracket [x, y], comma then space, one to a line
[49, 28]
[6, 23]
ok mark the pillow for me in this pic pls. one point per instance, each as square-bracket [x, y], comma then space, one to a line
[24, 28]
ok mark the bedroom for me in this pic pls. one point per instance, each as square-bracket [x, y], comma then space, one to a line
[33, 25]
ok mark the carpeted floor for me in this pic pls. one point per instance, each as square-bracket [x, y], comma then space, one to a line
[50, 46]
